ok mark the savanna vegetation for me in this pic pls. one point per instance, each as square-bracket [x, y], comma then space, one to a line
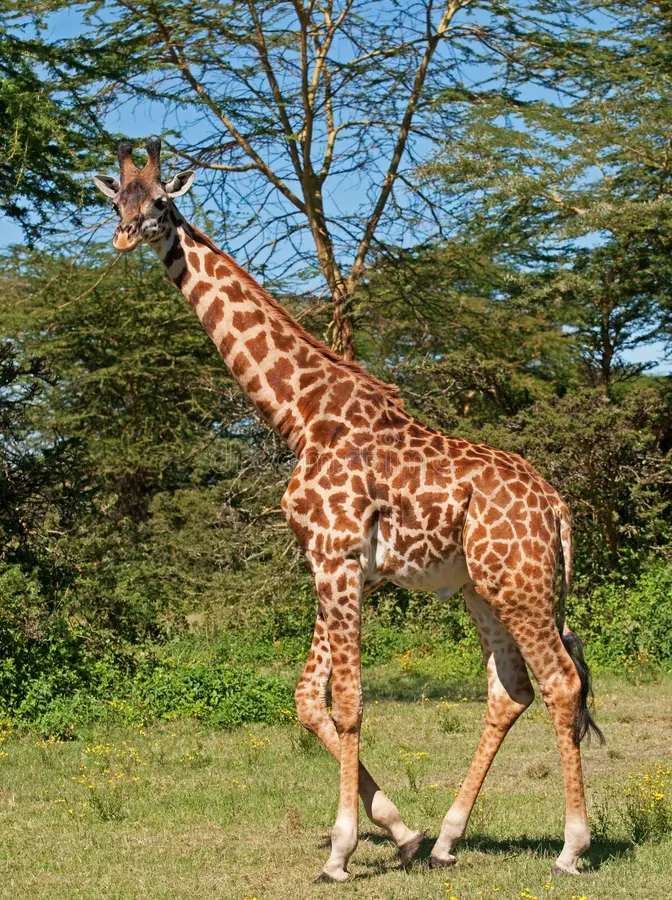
[183, 810]
[472, 199]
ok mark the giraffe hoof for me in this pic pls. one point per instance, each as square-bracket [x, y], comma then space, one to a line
[338, 876]
[565, 870]
[408, 850]
[436, 863]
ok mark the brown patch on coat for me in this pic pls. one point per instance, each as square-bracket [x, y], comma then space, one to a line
[199, 290]
[226, 343]
[278, 380]
[242, 321]
[258, 347]
[240, 365]
[214, 315]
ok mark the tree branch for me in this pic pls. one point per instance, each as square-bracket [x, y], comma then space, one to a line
[241, 140]
[220, 167]
[402, 138]
[275, 90]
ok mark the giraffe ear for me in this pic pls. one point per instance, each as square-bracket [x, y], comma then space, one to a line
[180, 184]
[108, 185]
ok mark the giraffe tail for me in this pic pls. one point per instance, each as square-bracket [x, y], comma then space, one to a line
[584, 724]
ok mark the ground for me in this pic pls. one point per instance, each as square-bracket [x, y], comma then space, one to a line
[174, 811]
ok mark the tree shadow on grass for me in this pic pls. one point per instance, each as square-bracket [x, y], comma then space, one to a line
[599, 853]
[413, 686]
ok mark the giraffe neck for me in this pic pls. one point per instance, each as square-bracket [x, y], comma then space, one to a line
[284, 371]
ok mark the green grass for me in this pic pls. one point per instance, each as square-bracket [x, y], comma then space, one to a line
[201, 814]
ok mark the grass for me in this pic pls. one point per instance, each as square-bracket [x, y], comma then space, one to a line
[175, 811]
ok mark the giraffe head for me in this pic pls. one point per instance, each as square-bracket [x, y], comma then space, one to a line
[140, 198]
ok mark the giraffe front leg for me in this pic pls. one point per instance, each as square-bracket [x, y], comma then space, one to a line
[311, 707]
[339, 588]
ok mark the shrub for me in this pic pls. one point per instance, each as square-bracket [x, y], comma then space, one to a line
[43, 654]
[648, 812]
[625, 624]
[55, 677]
[381, 642]
[223, 696]
[59, 716]
[449, 721]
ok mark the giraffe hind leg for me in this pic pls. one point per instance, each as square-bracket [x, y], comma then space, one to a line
[511, 548]
[311, 706]
[510, 692]
[527, 614]
[561, 689]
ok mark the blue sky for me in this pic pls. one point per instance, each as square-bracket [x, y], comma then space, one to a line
[656, 352]
[141, 121]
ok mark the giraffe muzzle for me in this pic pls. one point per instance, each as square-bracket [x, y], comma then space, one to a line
[127, 238]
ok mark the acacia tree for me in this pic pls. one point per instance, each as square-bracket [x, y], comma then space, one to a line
[579, 193]
[47, 133]
[43, 483]
[310, 117]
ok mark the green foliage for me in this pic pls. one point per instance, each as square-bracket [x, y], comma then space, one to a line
[464, 330]
[56, 675]
[47, 132]
[222, 696]
[129, 367]
[627, 625]
[647, 812]
[41, 653]
[43, 485]
[571, 198]
[449, 721]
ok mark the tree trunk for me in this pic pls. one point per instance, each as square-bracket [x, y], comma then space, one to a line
[606, 348]
[342, 325]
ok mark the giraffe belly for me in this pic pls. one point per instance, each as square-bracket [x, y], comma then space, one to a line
[445, 576]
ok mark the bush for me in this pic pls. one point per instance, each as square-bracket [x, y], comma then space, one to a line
[57, 715]
[220, 695]
[382, 642]
[56, 677]
[625, 624]
[648, 811]
[42, 653]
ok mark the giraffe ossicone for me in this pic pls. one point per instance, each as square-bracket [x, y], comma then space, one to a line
[376, 496]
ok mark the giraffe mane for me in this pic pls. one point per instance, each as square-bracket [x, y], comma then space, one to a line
[388, 392]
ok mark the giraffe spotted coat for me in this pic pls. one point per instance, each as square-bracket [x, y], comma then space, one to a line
[376, 496]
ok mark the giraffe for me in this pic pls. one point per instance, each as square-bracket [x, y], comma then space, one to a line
[378, 497]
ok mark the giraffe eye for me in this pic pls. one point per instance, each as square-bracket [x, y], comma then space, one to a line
[116, 209]
[161, 203]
